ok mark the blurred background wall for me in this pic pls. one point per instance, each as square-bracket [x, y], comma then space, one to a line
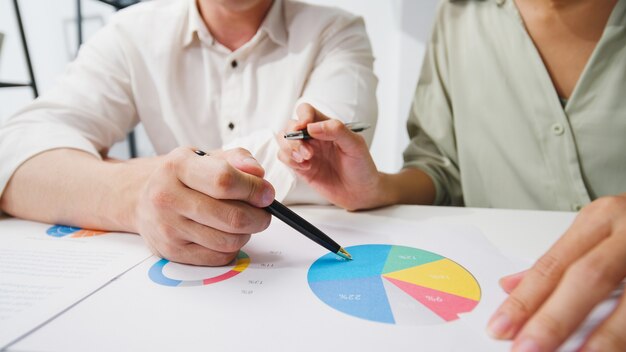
[398, 29]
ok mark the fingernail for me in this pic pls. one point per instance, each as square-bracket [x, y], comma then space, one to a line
[251, 161]
[527, 345]
[268, 196]
[296, 156]
[499, 326]
[304, 153]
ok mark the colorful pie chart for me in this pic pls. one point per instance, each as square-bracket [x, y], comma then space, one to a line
[157, 276]
[72, 232]
[395, 285]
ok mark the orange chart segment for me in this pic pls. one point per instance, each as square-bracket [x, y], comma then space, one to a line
[441, 275]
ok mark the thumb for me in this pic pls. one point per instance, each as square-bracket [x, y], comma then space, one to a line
[307, 114]
[335, 131]
[243, 160]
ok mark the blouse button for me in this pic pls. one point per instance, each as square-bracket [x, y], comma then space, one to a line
[558, 129]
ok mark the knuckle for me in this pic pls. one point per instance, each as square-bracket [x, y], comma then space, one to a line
[224, 178]
[549, 326]
[170, 164]
[611, 202]
[608, 338]
[243, 239]
[167, 233]
[608, 205]
[265, 223]
[590, 272]
[177, 155]
[335, 125]
[237, 219]
[254, 189]
[162, 199]
[169, 251]
[173, 161]
[548, 267]
[196, 209]
[235, 242]
[518, 305]
[219, 258]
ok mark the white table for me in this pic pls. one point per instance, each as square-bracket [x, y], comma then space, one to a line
[521, 235]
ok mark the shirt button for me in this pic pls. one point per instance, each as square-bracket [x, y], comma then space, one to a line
[500, 2]
[233, 64]
[558, 129]
[231, 126]
[577, 207]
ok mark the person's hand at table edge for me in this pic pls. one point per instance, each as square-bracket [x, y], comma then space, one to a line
[549, 302]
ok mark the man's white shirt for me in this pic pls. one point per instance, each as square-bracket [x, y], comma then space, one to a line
[157, 63]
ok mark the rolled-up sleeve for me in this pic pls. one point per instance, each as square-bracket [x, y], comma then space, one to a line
[432, 146]
[342, 84]
[90, 109]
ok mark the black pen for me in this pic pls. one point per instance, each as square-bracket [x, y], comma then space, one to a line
[355, 126]
[306, 228]
[299, 224]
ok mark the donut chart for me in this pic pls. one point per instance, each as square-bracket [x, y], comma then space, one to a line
[72, 232]
[395, 285]
[157, 276]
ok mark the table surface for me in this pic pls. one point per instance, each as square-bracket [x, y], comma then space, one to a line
[519, 234]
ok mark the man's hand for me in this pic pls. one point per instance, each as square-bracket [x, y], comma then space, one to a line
[202, 210]
[548, 302]
[336, 163]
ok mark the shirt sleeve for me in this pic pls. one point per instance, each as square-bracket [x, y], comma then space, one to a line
[432, 146]
[90, 109]
[341, 85]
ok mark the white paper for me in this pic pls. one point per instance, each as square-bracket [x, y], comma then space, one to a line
[42, 275]
[270, 305]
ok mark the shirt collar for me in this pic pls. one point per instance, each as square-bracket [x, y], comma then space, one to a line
[273, 25]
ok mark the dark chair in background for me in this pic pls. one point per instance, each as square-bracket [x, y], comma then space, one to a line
[32, 84]
[117, 4]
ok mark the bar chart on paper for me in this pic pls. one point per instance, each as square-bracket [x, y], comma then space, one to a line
[395, 285]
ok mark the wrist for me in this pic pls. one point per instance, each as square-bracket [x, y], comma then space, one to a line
[129, 179]
[409, 186]
[377, 194]
[387, 191]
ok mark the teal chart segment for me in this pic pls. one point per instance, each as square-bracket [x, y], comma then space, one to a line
[394, 285]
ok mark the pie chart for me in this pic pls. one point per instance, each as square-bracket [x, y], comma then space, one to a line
[394, 285]
[157, 275]
[73, 232]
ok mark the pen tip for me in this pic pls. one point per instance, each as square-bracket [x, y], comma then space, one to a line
[344, 254]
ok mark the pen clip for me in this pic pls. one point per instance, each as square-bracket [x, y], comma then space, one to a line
[357, 126]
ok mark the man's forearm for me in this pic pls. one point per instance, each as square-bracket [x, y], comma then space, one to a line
[72, 187]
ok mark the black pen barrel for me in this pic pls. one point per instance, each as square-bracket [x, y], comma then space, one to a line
[301, 225]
